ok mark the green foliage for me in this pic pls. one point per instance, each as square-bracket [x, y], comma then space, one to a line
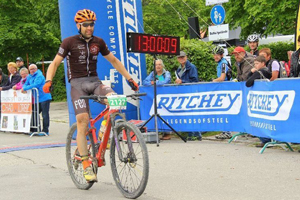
[198, 52]
[171, 17]
[279, 49]
[28, 27]
[264, 17]
[59, 86]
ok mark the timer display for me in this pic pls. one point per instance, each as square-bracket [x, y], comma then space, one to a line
[153, 44]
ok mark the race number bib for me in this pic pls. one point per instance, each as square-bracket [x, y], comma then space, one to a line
[117, 102]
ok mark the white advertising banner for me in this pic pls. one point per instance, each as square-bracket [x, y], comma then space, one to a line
[213, 2]
[218, 32]
[16, 111]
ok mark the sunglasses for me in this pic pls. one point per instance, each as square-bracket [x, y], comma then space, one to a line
[92, 24]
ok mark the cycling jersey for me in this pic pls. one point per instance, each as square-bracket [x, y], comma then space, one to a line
[222, 68]
[81, 55]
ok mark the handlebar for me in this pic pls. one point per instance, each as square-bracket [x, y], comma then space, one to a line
[95, 97]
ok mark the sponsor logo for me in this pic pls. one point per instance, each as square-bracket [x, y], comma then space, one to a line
[80, 103]
[94, 49]
[81, 46]
[202, 103]
[61, 50]
[275, 105]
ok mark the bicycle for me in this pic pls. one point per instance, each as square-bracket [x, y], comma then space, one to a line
[128, 157]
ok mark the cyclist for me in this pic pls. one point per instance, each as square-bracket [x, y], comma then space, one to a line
[224, 73]
[81, 51]
[253, 44]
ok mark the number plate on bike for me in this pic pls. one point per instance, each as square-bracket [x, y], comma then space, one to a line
[117, 102]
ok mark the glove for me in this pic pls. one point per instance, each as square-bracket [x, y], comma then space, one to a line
[47, 88]
[134, 86]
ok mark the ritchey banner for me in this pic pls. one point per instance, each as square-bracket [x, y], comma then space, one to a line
[16, 109]
[268, 109]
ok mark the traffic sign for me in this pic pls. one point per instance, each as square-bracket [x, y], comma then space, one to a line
[213, 2]
[217, 14]
[218, 32]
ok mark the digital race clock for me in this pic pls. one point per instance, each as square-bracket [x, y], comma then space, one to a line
[153, 44]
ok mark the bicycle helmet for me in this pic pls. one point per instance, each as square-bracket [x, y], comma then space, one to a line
[85, 15]
[19, 59]
[218, 50]
[252, 38]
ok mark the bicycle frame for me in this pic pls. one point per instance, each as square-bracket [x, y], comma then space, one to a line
[110, 123]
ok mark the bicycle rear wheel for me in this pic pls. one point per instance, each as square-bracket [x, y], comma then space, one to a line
[73, 160]
[130, 174]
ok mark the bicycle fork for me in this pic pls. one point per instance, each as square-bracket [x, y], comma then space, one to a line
[131, 158]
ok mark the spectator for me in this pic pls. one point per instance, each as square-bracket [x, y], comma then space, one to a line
[224, 74]
[37, 80]
[20, 63]
[244, 63]
[13, 78]
[3, 78]
[224, 71]
[186, 72]
[295, 65]
[253, 44]
[24, 73]
[162, 76]
[260, 71]
[272, 64]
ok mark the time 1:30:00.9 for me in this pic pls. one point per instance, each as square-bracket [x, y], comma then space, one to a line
[157, 44]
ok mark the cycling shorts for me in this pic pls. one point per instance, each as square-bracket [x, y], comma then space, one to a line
[86, 86]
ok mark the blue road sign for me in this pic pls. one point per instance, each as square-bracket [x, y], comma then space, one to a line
[217, 14]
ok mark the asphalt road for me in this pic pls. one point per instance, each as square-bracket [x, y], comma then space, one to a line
[209, 170]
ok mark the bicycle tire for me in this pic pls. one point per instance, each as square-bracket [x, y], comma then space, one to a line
[125, 183]
[75, 167]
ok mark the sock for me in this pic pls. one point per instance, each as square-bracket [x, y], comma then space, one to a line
[85, 161]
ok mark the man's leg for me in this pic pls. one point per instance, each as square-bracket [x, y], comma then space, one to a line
[82, 126]
[44, 108]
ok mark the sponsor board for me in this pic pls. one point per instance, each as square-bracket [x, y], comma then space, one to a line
[202, 103]
[275, 105]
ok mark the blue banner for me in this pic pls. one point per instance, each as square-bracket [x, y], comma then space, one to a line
[114, 19]
[268, 109]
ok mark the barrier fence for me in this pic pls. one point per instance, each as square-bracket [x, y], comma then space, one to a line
[268, 109]
[20, 112]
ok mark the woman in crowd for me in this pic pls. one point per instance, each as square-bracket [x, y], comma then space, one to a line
[162, 76]
[14, 76]
[24, 73]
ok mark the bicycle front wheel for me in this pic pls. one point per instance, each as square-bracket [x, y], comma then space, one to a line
[131, 173]
[74, 161]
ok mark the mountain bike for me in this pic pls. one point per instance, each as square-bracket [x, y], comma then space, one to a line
[128, 158]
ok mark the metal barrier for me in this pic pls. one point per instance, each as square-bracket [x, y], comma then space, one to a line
[35, 120]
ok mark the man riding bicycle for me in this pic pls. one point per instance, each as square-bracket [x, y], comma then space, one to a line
[81, 52]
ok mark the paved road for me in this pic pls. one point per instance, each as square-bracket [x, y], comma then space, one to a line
[208, 170]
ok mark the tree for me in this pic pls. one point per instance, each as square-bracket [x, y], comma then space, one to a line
[28, 27]
[264, 17]
[170, 17]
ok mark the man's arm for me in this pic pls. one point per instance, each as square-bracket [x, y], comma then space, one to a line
[53, 67]
[116, 64]
[221, 78]
[248, 65]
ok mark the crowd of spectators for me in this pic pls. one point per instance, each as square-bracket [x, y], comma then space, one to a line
[23, 79]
